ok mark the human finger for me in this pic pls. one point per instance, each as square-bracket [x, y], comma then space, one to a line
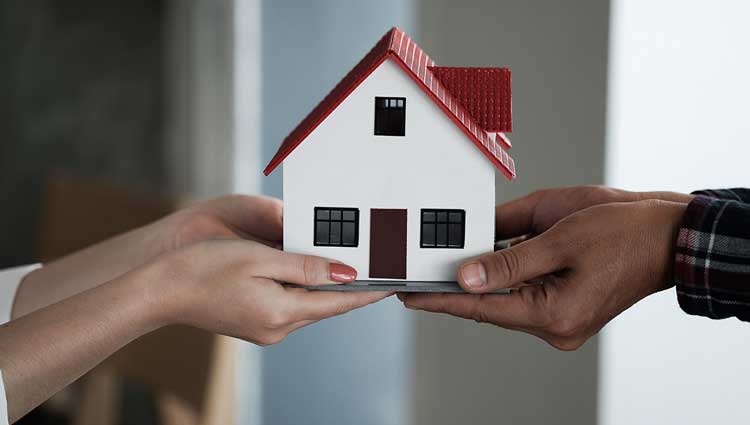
[512, 266]
[298, 268]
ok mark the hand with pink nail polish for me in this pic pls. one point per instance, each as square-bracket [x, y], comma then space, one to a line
[232, 287]
[198, 267]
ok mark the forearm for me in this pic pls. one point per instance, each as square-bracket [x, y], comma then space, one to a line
[88, 268]
[43, 351]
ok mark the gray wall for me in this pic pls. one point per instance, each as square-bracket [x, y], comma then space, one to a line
[479, 374]
[199, 96]
[80, 92]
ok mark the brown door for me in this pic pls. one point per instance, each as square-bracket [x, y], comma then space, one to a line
[388, 244]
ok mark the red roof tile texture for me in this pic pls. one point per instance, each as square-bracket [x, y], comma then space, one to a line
[484, 92]
[400, 48]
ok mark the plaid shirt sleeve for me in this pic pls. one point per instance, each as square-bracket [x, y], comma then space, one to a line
[712, 255]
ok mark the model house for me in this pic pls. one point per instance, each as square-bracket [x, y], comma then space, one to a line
[393, 172]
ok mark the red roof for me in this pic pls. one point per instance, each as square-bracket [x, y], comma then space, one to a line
[484, 92]
[400, 48]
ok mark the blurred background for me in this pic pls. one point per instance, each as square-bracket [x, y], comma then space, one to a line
[117, 112]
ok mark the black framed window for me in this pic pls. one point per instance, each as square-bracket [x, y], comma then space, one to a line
[390, 116]
[336, 226]
[442, 228]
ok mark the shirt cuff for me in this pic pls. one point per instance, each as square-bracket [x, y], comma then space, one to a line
[3, 402]
[10, 280]
[711, 264]
[737, 194]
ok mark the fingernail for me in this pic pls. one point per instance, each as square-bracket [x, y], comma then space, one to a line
[342, 273]
[474, 275]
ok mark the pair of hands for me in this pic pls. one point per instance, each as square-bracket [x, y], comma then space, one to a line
[593, 252]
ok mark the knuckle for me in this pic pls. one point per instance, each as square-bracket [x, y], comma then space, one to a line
[308, 269]
[276, 208]
[344, 308]
[503, 267]
[559, 245]
[438, 306]
[478, 313]
[269, 207]
[540, 307]
[312, 269]
[192, 225]
[201, 224]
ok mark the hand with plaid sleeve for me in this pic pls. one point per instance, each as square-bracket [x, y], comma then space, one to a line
[588, 253]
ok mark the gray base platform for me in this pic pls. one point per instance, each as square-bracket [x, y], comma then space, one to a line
[394, 286]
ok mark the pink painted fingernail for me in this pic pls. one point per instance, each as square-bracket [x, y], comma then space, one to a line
[342, 273]
[474, 275]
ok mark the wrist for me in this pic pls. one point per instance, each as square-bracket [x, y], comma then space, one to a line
[669, 216]
[153, 285]
[167, 287]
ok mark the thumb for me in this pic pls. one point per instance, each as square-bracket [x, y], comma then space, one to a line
[512, 266]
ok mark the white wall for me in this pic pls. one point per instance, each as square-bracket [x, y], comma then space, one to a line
[678, 120]
[434, 165]
[466, 373]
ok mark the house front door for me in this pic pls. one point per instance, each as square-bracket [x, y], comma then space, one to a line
[387, 244]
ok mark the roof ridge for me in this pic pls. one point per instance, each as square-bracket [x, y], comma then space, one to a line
[392, 36]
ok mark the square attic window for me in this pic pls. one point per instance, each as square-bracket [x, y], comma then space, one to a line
[390, 116]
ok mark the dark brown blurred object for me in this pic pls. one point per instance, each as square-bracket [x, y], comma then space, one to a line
[76, 214]
[190, 371]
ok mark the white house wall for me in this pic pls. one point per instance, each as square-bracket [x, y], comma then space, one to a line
[342, 164]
